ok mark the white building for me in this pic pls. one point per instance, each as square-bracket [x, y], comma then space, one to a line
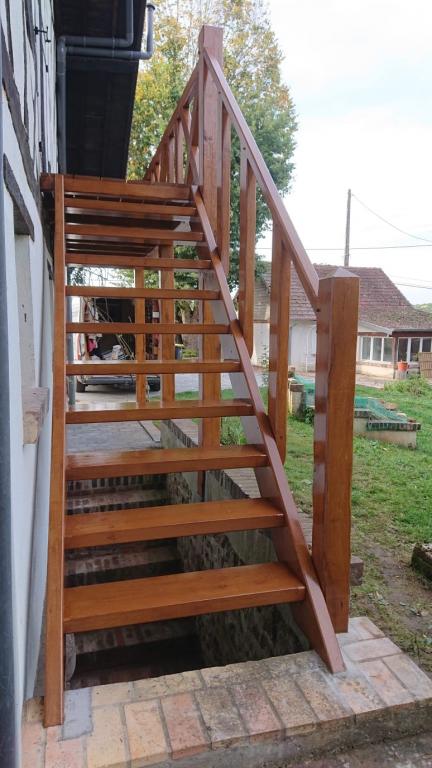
[390, 329]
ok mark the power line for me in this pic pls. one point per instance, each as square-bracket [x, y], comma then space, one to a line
[386, 221]
[358, 247]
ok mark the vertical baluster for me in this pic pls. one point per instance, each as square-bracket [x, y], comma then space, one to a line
[333, 439]
[179, 142]
[167, 310]
[140, 340]
[210, 386]
[279, 340]
[164, 163]
[171, 158]
[223, 184]
[247, 249]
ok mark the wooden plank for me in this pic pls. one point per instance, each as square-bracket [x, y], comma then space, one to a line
[246, 290]
[140, 340]
[150, 367]
[85, 413]
[224, 184]
[88, 466]
[312, 616]
[333, 439]
[97, 291]
[122, 261]
[167, 317]
[85, 205]
[159, 598]
[179, 141]
[89, 185]
[54, 680]
[149, 328]
[141, 234]
[279, 340]
[170, 522]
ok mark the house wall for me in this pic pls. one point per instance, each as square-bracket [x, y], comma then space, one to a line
[29, 145]
[302, 349]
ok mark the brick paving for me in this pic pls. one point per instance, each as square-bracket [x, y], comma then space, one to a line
[272, 713]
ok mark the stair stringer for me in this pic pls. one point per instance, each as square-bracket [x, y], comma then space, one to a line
[312, 614]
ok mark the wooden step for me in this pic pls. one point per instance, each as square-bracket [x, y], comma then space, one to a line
[150, 328]
[124, 260]
[89, 185]
[99, 464]
[175, 596]
[141, 234]
[115, 208]
[150, 367]
[95, 291]
[85, 413]
[148, 524]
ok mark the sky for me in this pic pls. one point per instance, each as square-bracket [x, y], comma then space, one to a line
[360, 74]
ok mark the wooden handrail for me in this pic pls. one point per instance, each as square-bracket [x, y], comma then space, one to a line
[305, 269]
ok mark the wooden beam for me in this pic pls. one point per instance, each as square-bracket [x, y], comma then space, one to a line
[167, 316]
[279, 340]
[54, 675]
[247, 249]
[140, 339]
[223, 184]
[333, 439]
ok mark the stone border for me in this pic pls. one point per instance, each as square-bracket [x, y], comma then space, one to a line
[285, 708]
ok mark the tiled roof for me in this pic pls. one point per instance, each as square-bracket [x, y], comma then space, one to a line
[381, 302]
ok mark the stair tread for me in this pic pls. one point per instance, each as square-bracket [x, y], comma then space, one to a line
[112, 292]
[107, 187]
[178, 595]
[170, 521]
[132, 233]
[148, 328]
[98, 464]
[121, 367]
[89, 206]
[82, 413]
[122, 260]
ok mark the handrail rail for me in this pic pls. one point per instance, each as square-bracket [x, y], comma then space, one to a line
[305, 269]
[184, 100]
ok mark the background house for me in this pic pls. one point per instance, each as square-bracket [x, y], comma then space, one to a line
[390, 329]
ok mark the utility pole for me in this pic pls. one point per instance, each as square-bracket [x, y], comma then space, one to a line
[347, 231]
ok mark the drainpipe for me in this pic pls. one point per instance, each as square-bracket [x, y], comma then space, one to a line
[102, 48]
[8, 730]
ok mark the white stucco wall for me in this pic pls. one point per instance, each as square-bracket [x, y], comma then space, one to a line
[29, 463]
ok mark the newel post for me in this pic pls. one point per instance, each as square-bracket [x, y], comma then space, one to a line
[211, 39]
[333, 439]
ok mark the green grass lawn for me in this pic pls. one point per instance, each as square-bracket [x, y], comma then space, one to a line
[392, 510]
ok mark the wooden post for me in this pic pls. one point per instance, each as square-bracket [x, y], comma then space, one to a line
[54, 674]
[140, 341]
[247, 249]
[279, 340]
[223, 184]
[211, 38]
[333, 439]
[179, 142]
[166, 341]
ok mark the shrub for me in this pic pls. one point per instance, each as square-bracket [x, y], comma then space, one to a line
[414, 385]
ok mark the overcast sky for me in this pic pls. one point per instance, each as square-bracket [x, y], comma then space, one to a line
[360, 73]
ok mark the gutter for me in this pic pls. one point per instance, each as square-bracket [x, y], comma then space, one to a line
[8, 731]
[113, 48]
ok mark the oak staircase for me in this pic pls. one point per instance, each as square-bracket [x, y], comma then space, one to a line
[185, 200]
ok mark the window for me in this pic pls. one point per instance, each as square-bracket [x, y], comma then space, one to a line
[415, 349]
[388, 350]
[426, 345]
[366, 348]
[402, 355]
[377, 349]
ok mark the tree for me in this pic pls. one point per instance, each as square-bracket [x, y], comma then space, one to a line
[252, 59]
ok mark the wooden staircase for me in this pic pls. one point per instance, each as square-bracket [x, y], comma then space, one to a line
[101, 222]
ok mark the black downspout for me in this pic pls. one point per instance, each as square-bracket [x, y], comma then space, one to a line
[8, 733]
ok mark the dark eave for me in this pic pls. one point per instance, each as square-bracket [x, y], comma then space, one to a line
[100, 92]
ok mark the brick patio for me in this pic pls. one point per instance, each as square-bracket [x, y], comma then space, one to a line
[274, 712]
